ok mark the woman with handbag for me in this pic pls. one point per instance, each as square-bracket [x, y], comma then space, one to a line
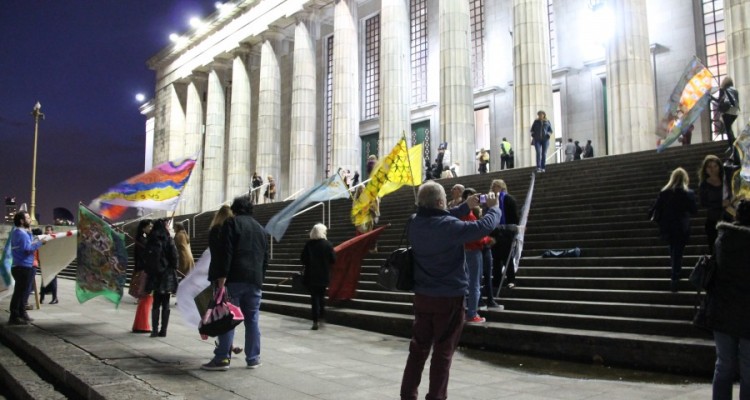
[138, 279]
[727, 312]
[317, 258]
[161, 267]
[674, 206]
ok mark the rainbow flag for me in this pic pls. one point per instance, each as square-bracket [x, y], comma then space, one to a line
[396, 169]
[688, 99]
[157, 189]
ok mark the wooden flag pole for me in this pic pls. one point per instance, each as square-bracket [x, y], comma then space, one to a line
[411, 170]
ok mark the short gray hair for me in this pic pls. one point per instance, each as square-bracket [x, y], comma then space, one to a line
[430, 194]
[318, 231]
[458, 186]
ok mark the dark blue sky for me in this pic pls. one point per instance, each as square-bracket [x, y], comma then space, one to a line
[84, 61]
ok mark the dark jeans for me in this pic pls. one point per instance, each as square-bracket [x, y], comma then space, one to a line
[30, 285]
[23, 277]
[728, 120]
[161, 301]
[318, 302]
[505, 162]
[541, 153]
[676, 250]
[438, 322]
[50, 288]
[487, 275]
[711, 234]
[731, 352]
[500, 253]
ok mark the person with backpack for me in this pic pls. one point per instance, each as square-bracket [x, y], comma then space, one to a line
[161, 267]
[728, 104]
[727, 312]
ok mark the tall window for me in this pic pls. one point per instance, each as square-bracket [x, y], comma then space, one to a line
[372, 67]
[418, 10]
[716, 48]
[552, 33]
[476, 12]
[329, 105]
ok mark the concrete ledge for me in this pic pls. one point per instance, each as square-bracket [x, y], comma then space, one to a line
[22, 381]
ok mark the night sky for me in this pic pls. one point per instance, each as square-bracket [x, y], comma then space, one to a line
[84, 61]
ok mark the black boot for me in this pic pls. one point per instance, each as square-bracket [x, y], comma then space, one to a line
[164, 322]
[154, 322]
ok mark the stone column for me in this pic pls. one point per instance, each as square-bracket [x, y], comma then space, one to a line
[303, 152]
[213, 169]
[175, 129]
[395, 72]
[737, 15]
[238, 149]
[269, 116]
[532, 81]
[630, 107]
[456, 84]
[191, 195]
[345, 137]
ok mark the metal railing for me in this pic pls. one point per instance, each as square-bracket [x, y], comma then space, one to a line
[294, 195]
[252, 191]
[124, 224]
[205, 212]
[188, 225]
[514, 258]
[318, 204]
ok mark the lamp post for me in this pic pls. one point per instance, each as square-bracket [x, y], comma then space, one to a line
[37, 113]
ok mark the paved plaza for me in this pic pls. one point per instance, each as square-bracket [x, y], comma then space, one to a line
[93, 344]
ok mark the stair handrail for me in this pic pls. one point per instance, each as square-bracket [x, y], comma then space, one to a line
[514, 258]
[318, 204]
[354, 188]
[250, 193]
[293, 195]
[135, 220]
[188, 225]
[556, 154]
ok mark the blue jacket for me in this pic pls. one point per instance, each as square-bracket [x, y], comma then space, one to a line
[437, 239]
[23, 247]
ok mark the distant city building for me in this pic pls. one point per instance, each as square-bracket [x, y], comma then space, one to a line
[10, 209]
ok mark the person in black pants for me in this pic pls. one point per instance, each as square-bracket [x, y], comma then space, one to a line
[503, 236]
[23, 247]
[729, 98]
[161, 267]
[51, 287]
[317, 258]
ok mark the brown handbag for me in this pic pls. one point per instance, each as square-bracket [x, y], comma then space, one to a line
[137, 287]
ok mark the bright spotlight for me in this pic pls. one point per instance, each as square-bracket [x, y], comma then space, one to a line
[140, 97]
[196, 22]
[174, 37]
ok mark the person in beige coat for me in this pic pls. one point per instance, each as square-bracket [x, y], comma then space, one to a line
[182, 241]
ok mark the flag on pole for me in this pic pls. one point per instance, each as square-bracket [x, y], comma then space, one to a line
[102, 259]
[346, 270]
[57, 253]
[398, 179]
[157, 189]
[396, 168]
[331, 188]
[6, 263]
[688, 99]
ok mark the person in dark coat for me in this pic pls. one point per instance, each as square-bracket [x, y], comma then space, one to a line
[541, 130]
[317, 257]
[728, 312]
[503, 237]
[711, 196]
[145, 303]
[161, 267]
[578, 152]
[588, 150]
[674, 206]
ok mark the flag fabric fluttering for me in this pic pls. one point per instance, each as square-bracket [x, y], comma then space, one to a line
[396, 168]
[689, 97]
[157, 189]
[331, 188]
[346, 270]
[102, 259]
[6, 263]
[741, 177]
[399, 178]
[191, 286]
[57, 253]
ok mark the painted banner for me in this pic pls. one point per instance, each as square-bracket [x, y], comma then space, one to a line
[345, 272]
[102, 259]
[157, 189]
[689, 97]
[57, 253]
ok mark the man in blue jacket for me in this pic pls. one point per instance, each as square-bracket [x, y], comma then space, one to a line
[23, 245]
[437, 239]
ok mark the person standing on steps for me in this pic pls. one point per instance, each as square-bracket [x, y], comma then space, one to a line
[578, 152]
[570, 150]
[23, 246]
[256, 182]
[161, 267]
[588, 150]
[672, 210]
[506, 154]
[440, 285]
[541, 130]
[728, 103]
[711, 195]
[317, 257]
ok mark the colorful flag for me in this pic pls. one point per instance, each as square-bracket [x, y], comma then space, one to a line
[396, 167]
[396, 180]
[689, 98]
[346, 270]
[102, 259]
[6, 263]
[158, 189]
[331, 188]
[57, 253]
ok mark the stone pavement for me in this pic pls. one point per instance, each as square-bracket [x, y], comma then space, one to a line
[89, 347]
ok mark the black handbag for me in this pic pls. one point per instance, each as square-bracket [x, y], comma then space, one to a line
[397, 272]
[298, 284]
[702, 276]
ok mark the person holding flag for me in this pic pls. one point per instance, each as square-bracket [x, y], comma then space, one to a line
[23, 247]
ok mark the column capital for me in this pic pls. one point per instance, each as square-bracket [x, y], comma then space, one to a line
[221, 63]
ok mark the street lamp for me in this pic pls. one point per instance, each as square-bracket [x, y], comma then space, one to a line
[37, 113]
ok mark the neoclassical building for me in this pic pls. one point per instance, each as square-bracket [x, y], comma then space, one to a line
[299, 88]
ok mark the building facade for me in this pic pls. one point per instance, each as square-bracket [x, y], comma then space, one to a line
[296, 89]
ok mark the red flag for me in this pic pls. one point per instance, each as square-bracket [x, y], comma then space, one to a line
[345, 272]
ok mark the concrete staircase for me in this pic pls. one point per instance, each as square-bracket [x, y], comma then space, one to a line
[612, 305]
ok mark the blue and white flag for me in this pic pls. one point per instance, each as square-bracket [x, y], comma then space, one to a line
[332, 188]
[6, 262]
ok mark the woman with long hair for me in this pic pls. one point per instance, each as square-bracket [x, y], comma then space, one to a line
[727, 313]
[674, 206]
[182, 241]
[214, 234]
[711, 196]
[141, 323]
[317, 257]
[161, 266]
